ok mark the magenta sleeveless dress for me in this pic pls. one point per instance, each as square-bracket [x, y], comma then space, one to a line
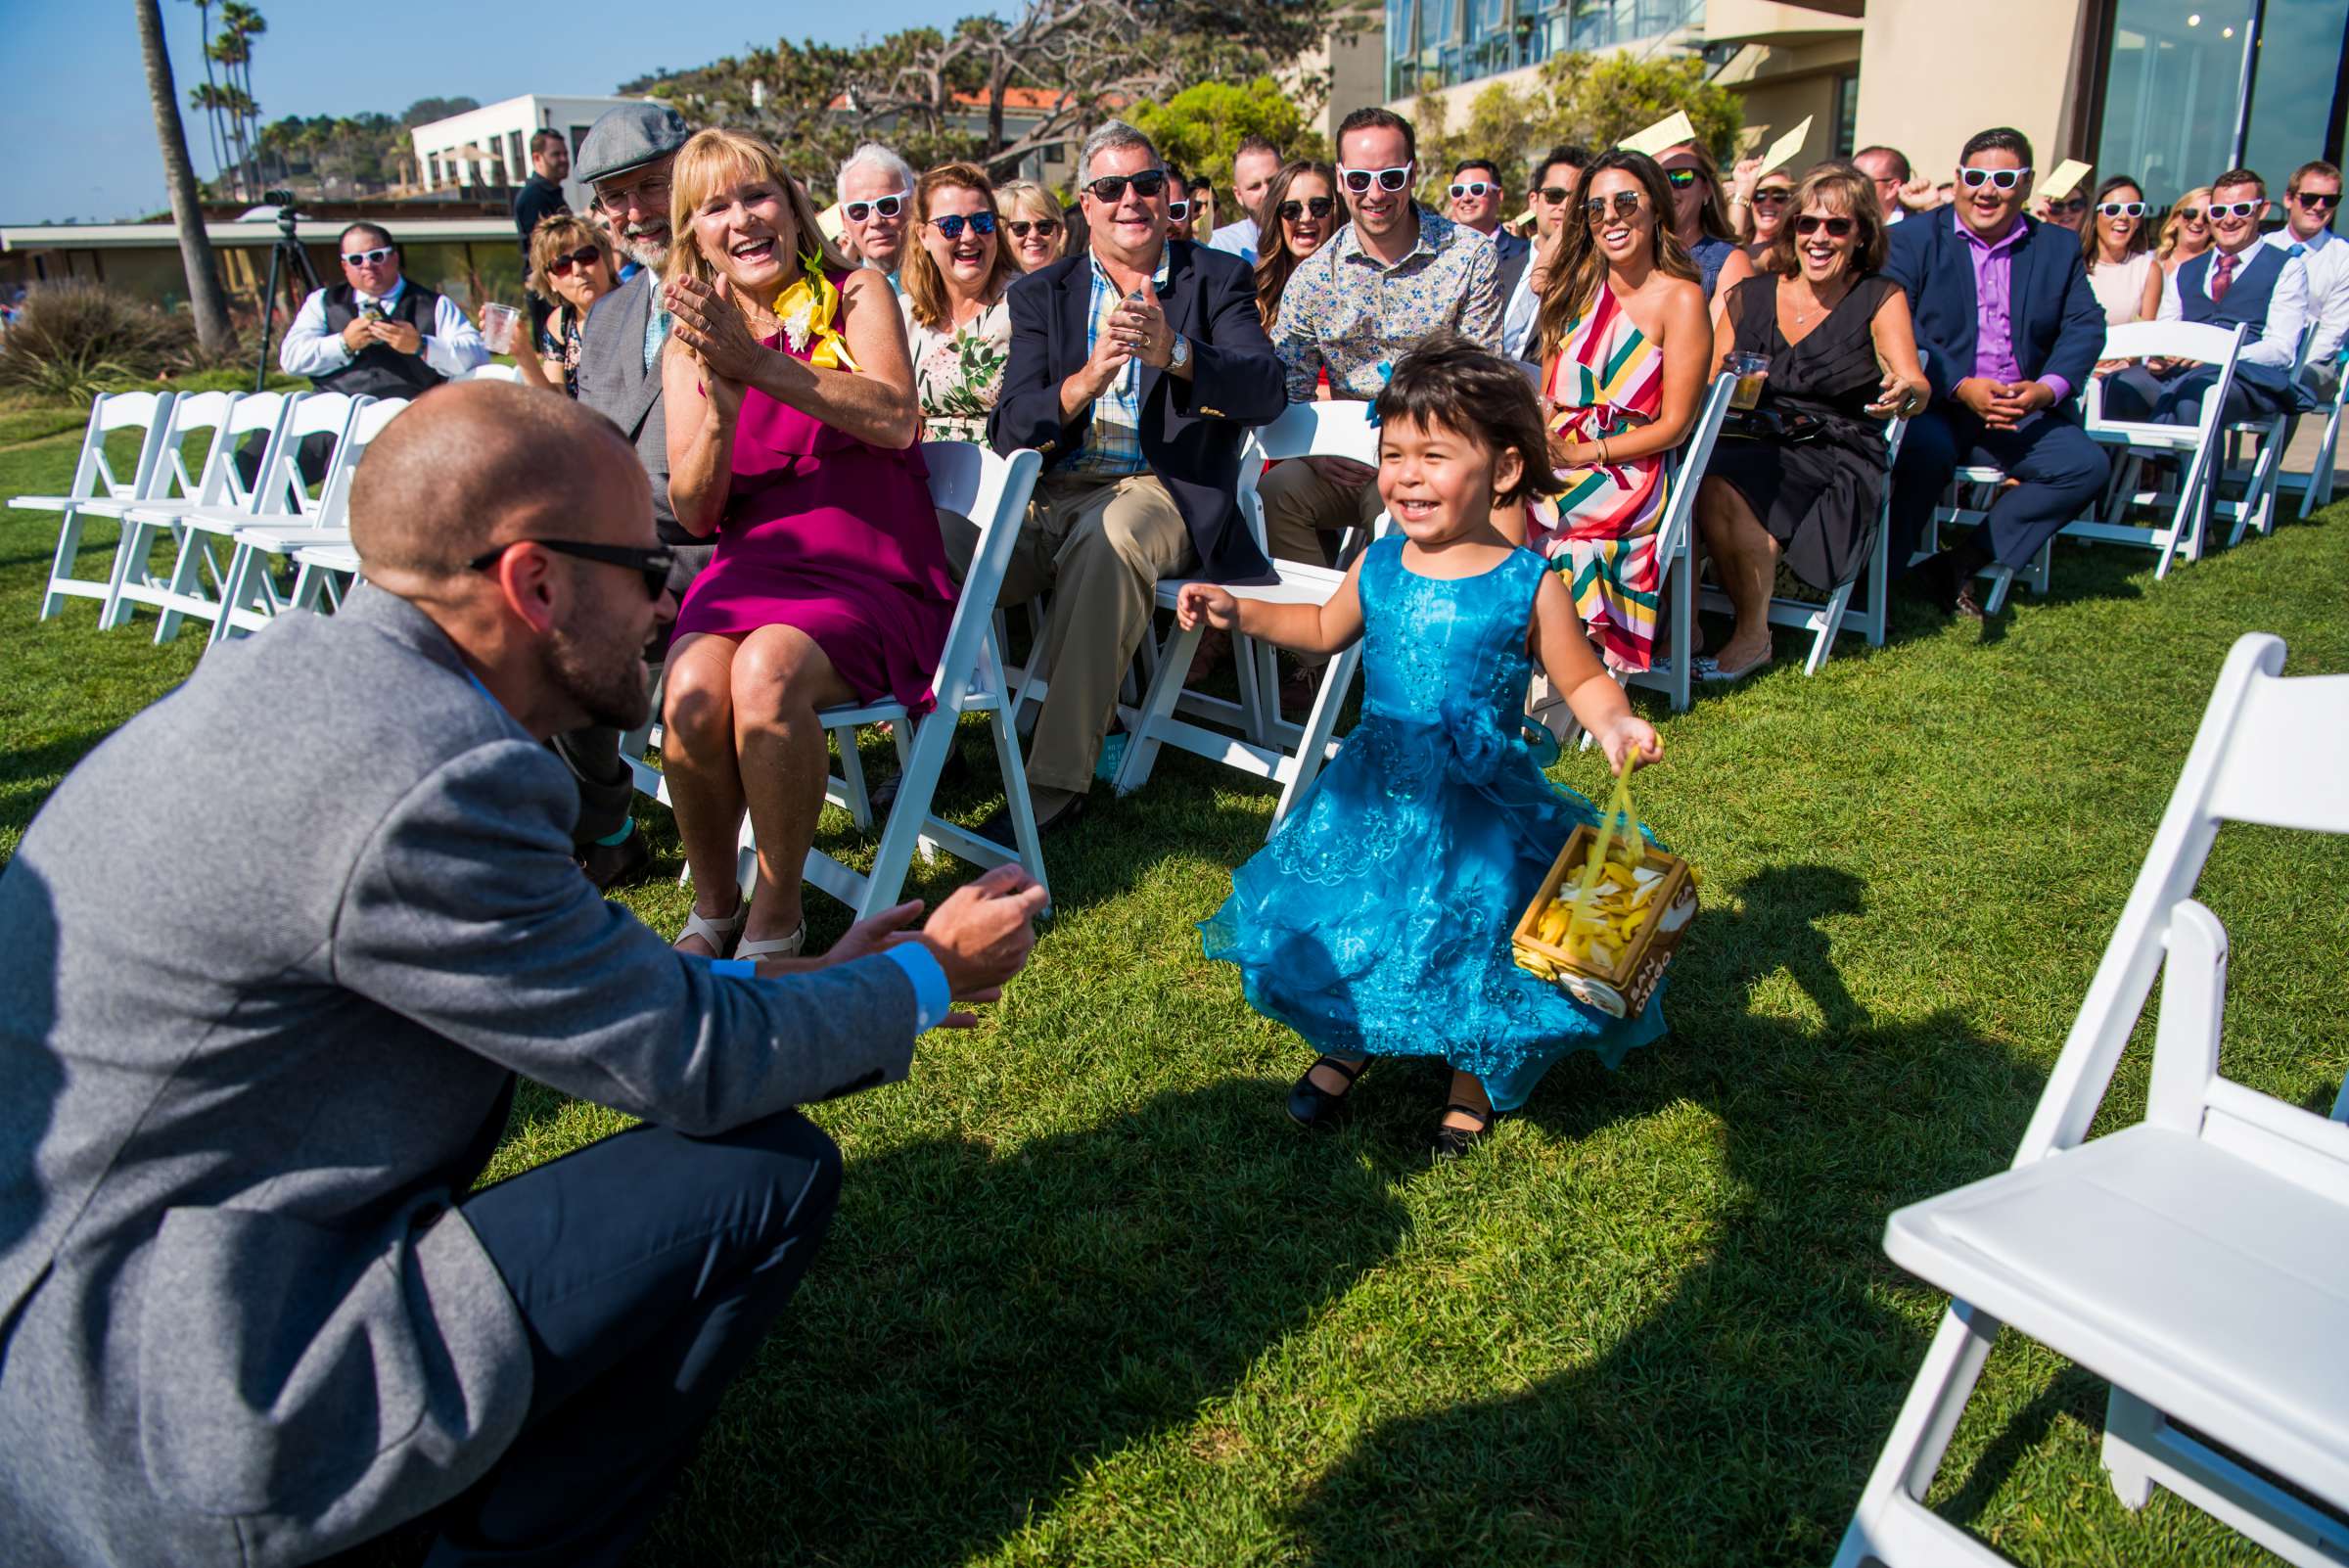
[837, 538]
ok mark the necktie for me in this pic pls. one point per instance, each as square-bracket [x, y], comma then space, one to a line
[2222, 273]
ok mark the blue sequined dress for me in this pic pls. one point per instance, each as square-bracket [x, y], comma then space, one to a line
[1377, 919]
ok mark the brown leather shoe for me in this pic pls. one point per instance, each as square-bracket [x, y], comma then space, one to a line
[1965, 604]
[615, 865]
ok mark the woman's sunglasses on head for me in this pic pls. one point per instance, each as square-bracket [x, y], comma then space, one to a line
[1045, 228]
[367, 258]
[2004, 179]
[888, 207]
[1359, 180]
[951, 224]
[2121, 209]
[586, 255]
[1110, 189]
[1811, 223]
[1319, 206]
[1627, 203]
[1471, 188]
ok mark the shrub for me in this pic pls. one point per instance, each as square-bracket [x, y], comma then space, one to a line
[76, 338]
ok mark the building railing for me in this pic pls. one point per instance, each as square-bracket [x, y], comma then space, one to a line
[1488, 40]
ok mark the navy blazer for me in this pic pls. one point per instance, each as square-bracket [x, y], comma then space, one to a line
[2058, 325]
[1192, 430]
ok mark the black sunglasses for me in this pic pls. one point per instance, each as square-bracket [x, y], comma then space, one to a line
[586, 255]
[2191, 215]
[1554, 194]
[1110, 189]
[653, 562]
[1045, 227]
[951, 224]
[2318, 201]
[2069, 203]
[1627, 203]
[1775, 195]
[1811, 223]
[1318, 206]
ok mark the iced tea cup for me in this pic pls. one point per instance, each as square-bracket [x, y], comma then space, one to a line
[1751, 371]
[500, 326]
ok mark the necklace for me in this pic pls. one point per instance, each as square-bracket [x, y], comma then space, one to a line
[1818, 306]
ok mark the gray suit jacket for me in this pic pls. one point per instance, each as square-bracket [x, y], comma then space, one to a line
[272, 953]
[613, 381]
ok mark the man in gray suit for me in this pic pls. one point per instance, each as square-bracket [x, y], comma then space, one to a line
[626, 157]
[275, 952]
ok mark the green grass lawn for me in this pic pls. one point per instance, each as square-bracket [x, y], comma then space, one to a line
[1090, 1299]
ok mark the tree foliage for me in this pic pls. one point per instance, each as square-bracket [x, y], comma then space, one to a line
[936, 93]
[1579, 98]
[1198, 129]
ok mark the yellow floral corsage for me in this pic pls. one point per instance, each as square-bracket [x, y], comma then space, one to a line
[808, 310]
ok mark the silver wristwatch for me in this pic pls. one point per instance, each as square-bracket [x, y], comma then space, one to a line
[1180, 354]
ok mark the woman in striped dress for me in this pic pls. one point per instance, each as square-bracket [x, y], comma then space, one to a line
[1624, 350]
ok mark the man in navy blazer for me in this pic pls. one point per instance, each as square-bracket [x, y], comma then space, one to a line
[2011, 332]
[1137, 367]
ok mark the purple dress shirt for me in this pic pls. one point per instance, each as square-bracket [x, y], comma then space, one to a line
[1993, 305]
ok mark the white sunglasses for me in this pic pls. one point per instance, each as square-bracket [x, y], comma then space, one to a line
[2004, 179]
[2122, 209]
[1358, 180]
[1472, 188]
[887, 205]
[1176, 211]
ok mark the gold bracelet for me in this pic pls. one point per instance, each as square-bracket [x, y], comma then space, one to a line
[1602, 451]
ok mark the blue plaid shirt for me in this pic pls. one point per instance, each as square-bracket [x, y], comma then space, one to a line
[1113, 442]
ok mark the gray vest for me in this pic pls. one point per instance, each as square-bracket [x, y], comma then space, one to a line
[376, 371]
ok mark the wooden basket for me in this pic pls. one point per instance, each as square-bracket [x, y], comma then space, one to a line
[1622, 990]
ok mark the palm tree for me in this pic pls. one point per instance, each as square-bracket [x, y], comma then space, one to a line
[204, 30]
[204, 296]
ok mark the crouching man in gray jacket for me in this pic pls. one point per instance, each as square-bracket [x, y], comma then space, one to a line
[273, 955]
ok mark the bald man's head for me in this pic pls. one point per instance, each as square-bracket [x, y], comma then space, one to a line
[478, 463]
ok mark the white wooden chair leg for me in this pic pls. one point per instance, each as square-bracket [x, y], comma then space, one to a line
[130, 557]
[851, 779]
[1026, 841]
[1892, 1524]
[1314, 748]
[923, 761]
[1830, 621]
[1157, 706]
[60, 567]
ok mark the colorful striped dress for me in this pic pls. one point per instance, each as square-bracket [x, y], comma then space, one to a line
[1606, 378]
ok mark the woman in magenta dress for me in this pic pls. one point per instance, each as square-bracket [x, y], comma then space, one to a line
[792, 433]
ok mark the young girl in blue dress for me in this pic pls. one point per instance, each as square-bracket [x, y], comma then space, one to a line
[1376, 921]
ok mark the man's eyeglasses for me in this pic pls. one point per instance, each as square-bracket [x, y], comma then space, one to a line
[2318, 201]
[1554, 194]
[1774, 194]
[1045, 228]
[1627, 203]
[1319, 206]
[1471, 188]
[586, 255]
[2220, 209]
[953, 224]
[1359, 180]
[1176, 211]
[1110, 189]
[652, 193]
[653, 562]
[2121, 209]
[368, 258]
[1809, 223]
[1680, 180]
[2002, 179]
[888, 207]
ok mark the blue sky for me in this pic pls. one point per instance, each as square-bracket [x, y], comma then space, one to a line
[81, 138]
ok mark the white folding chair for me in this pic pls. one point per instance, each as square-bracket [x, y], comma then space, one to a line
[490, 372]
[993, 492]
[1676, 551]
[2197, 448]
[248, 595]
[132, 579]
[1973, 491]
[1268, 745]
[2274, 433]
[94, 480]
[249, 598]
[221, 492]
[2316, 486]
[2198, 1260]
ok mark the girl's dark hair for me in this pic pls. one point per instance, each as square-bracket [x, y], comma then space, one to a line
[1452, 381]
[1273, 262]
[2091, 245]
[1582, 269]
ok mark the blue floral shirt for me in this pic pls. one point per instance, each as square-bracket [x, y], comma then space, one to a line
[1345, 312]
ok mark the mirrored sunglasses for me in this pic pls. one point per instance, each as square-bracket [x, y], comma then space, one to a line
[888, 207]
[1358, 180]
[2220, 209]
[1472, 188]
[2121, 209]
[1680, 178]
[1110, 189]
[2002, 179]
[1045, 228]
[953, 224]
[1319, 206]
[367, 258]
[1774, 194]
[1627, 203]
[1811, 223]
[585, 255]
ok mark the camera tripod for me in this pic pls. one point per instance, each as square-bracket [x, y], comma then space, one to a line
[290, 262]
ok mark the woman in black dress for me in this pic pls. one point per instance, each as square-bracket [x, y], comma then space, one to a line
[1804, 475]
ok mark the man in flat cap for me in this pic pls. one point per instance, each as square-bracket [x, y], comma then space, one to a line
[625, 160]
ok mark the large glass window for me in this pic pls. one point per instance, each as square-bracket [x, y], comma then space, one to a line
[2299, 71]
[2170, 93]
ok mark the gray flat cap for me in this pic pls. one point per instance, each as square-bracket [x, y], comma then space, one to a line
[625, 137]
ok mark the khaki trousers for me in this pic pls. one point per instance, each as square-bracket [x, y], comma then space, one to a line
[1300, 507]
[1100, 543]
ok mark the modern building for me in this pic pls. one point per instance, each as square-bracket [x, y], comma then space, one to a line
[2171, 92]
[490, 147]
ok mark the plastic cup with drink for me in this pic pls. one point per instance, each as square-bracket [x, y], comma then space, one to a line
[501, 327]
[1751, 371]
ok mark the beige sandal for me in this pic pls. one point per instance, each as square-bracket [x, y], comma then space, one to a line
[720, 935]
[780, 947]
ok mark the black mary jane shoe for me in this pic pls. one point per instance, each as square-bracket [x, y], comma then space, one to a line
[1450, 1142]
[1312, 1105]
